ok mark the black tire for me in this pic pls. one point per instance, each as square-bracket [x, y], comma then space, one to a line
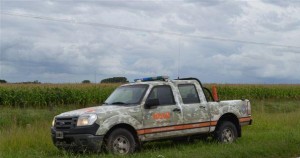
[121, 142]
[226, 132]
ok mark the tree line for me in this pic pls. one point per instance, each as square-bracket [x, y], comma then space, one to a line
[106, 80]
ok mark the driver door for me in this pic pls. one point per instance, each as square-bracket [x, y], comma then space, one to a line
[161, 120]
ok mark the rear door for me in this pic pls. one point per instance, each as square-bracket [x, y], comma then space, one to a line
[161, 121]
[195, 111]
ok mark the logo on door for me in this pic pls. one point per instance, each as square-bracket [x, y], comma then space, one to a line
[164, 115]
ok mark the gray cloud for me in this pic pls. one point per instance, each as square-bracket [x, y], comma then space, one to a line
[63, 52]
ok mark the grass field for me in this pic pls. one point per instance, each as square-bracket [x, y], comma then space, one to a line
[25, 132]
[49, 95]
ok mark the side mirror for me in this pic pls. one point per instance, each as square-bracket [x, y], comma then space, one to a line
[151, 102]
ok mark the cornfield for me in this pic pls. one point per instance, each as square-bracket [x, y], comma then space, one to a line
[48, 95]
[258, 91]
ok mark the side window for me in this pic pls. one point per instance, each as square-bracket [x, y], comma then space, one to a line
[188, 93]
[163, 94]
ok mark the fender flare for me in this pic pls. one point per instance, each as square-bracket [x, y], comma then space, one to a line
[109, 123]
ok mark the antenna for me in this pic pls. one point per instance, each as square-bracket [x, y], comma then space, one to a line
[1, 61]
[178, 66]
[95, 76]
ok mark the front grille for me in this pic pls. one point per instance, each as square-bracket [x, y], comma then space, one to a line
[64, 123]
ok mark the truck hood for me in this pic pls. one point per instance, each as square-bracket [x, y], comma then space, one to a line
[95, 110]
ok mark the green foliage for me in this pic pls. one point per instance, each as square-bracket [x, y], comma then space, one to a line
[86, 81]
[26, 133]
[115, 80]
[31, 82]
[256, 91]
[3, 81]
[48, 95]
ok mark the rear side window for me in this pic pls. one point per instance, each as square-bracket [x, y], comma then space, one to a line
[188, 93]
[163, 94]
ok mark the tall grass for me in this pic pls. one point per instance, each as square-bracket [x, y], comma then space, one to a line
[258, 91]
[49, 95]
[274, 133]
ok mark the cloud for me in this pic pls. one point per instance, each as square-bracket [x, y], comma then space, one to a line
[51, 51]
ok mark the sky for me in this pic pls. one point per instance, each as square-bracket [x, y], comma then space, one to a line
[95, 39]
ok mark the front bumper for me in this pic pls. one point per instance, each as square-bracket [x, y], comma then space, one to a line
[77, 139]
[79, 142]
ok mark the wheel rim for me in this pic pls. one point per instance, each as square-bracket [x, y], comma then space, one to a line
[121, 145]
[227, 135]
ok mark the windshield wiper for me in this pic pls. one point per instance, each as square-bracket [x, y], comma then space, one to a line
[118, 103]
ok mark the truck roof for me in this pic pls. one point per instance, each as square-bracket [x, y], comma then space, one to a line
[162, 79]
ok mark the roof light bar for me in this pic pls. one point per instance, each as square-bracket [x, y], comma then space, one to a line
[158, 78]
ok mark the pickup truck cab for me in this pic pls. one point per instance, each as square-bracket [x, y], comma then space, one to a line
[150, 109]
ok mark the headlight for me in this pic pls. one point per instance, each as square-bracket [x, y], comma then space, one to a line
[86, 120]
[53, 122]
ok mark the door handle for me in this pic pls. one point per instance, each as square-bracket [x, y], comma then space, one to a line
[176, 110]
[202, 107]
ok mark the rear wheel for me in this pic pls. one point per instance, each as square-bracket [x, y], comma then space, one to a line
[121, 142]
[226, 132]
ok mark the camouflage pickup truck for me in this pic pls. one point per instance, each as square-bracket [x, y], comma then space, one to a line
[151, 109]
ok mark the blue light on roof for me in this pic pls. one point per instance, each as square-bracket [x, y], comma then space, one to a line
[158, 78]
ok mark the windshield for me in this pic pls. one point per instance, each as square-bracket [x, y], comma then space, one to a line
[127, 95]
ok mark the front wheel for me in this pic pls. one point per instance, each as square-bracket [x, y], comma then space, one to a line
[226, 132]
[121, 142]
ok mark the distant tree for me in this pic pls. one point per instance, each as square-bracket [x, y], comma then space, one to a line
[36, 82]
[86, 81]
[3, 81]
[115, 80]
[31, 82]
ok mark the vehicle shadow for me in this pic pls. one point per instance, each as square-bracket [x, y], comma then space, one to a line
[169, 144]
[147, 147]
